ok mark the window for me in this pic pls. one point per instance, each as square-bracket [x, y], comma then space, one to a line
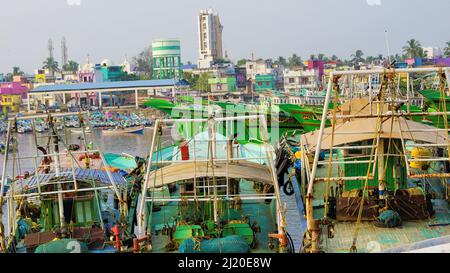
[84, 212]
[267, 83]
[259, 83]
[291, 80]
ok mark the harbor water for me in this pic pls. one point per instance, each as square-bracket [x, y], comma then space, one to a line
[132, 144]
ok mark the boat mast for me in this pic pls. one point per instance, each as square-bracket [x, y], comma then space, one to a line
[312, 225]
[212, 143]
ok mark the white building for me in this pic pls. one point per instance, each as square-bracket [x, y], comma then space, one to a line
[258, 67]
[294, 80]
[210, 38]
[432, 52]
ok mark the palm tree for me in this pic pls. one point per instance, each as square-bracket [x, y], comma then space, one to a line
[370, 59]
[51, 65]
[357, 57]
[71, 66]
[447, 50]
[334, 58]
[312, 57]
[294, 61]
[241, 62]
[281, 61]
[320, 56]
[17, 71]
[413, 49]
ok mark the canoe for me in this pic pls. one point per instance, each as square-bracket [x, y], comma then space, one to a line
[118, 131]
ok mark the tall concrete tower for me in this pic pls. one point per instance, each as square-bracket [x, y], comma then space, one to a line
[50, 48]
[64, 56]
[210, 38]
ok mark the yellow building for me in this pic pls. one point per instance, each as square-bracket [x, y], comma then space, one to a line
[11, 103]
[40, 78]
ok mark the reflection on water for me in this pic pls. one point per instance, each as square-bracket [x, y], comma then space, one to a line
[133, 144]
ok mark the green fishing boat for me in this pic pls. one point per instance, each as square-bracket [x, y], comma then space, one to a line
[216, 207]
[281, 119]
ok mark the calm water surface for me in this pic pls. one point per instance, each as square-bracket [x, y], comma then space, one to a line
[133, 144]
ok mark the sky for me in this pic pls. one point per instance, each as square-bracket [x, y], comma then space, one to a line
[114, 29]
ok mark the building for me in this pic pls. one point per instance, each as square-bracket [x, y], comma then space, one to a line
[210, 38]
[295, 80]
[432, 52]
[241, 77]
[226, 84]
[257, 67]
[106, 71]
[14, 88]
[166, 59]
[11, 103]
[264, 82]
[127, 93]
[86, 74]
[41, 75]
[317, 65]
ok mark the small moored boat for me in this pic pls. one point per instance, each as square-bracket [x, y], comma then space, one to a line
[130, 130]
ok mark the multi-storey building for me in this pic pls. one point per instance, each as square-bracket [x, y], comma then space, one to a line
[210, 38]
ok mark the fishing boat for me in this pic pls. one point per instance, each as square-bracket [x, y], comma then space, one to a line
[58, 208]
[123, 130]
[217, 207]
[383, 186]
[281, 119]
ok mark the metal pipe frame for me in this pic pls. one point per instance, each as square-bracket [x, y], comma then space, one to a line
[59, 154]
[421, 114]
[349, 178]
[205, 199]
[57, 192]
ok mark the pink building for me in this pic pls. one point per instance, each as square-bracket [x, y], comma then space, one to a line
[13, 88]
[86, 76]
[86, 73]
[317, 65]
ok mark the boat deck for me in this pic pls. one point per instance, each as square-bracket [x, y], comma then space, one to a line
[257, 210]
[295, 221]
[374, 239]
